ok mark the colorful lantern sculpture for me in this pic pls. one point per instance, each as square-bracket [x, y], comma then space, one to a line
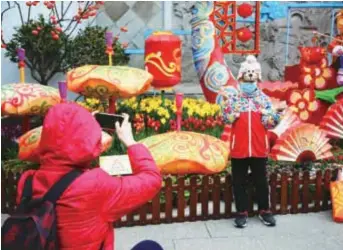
[336, 190]
[26, 99]
[184, 152]
[29, 144]
[163, 59]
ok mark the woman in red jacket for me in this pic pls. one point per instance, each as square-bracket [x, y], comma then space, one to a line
[71, 138]
[251, 115]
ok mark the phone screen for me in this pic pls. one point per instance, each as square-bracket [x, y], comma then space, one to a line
[108, 121]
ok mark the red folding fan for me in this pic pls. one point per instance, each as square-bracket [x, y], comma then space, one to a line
[332, 122]
[305, 142]
[288, 121]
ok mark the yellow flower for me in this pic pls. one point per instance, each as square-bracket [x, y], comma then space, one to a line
[190, 112]
[163, 120]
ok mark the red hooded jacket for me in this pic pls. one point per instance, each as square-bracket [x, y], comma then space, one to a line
[71, 138]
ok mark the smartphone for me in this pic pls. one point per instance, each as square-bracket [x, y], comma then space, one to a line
[108, 121]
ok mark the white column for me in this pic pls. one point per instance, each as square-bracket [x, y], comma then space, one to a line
[167, 15]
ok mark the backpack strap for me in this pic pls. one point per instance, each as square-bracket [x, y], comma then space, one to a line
[27, 192]
[61, 185]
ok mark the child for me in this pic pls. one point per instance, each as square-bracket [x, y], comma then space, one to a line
[251, 115]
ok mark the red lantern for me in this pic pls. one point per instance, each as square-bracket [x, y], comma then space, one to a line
[244, 34]
[163, 59]
[245, 10]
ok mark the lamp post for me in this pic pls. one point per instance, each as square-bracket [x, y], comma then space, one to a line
[178, 103]
[110, 52]
[62, 87]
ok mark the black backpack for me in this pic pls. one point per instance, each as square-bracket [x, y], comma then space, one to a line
[33, 225]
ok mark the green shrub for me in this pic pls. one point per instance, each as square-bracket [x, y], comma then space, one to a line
[89, 46]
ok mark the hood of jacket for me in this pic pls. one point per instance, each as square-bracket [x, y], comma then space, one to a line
[71, 137]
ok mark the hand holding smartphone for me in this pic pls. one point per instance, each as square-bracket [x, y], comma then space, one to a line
[108, 121]
[119, 123]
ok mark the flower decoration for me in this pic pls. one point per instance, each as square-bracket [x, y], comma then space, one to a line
[151, 117]
[317, 76]
[303, 103]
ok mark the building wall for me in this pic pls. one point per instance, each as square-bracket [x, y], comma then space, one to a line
[140, 16]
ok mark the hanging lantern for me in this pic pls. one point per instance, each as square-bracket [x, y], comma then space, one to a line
[244, 34]
[163, 59]
[245, 10]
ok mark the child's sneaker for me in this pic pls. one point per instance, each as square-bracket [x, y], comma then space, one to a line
[241, 220]
[267, 218]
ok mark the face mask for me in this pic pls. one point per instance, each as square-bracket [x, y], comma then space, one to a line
[248, 88]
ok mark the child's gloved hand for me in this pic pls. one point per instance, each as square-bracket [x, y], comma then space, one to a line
[337, 50]
[265, 112]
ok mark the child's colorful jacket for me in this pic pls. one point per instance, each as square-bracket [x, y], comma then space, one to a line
[251, 116]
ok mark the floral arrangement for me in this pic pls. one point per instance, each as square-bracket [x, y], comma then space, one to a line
[152, 115]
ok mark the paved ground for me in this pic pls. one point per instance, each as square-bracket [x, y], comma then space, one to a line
[293, 232]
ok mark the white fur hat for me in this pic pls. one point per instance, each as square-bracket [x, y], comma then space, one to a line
[250, 63]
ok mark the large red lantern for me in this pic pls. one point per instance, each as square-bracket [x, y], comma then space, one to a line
[163, 59]
[244, 34]
[245, 10]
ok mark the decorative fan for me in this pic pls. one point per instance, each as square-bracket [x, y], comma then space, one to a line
[290, 120]
[332, 122]
[305, 142]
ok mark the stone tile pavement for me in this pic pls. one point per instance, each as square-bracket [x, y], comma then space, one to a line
[315, 231]
[293, 232]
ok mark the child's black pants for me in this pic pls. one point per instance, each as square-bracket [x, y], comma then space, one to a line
[240, 169]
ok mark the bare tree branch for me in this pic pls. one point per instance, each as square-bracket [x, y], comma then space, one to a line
[64, 13]
[98, 13]
[81, 14]
[71, 32]
[20, 12]
[2, 18]
[29, 13]
[56, 12]
[28, 64]
[33, 74]
[5, 10]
